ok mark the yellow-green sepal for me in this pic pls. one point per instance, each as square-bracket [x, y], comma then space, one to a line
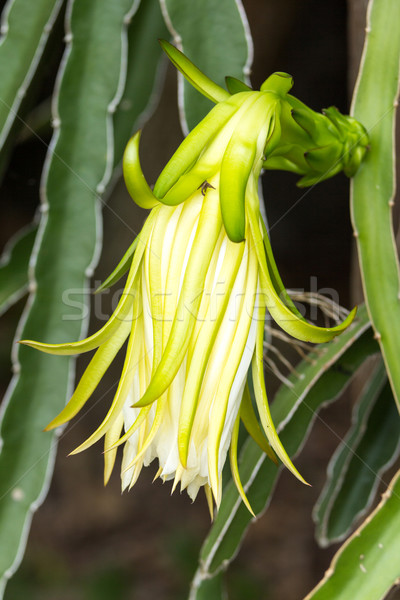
[235, 86]
[282, 163]
[120, 270]
[279, 83]
[252, 426]
[324, 157]
[282, 314]
[124, 385]
[134, 427]
[122, 312]
[257, 366]
[235, 171]
[193, 145]
[91, 377]
[233, 451]
[305, 119]
[90, 343]
[135, 181]
[187, 185]
[237, 165]
[194, 76]
[275, 276]
[110, 453]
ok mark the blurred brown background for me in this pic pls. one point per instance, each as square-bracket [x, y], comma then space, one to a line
[90, 543]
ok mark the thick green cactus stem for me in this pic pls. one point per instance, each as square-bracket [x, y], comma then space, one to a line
[79, 160]
[372, 191]
[25, 30]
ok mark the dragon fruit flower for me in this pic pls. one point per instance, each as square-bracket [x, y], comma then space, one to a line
[201, 278]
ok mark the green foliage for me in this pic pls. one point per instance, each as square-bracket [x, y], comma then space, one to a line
[143, 75]
[372, 189]
[14, 268]
[367, 565]
[78, 167]
[26, 27]
[354, 473]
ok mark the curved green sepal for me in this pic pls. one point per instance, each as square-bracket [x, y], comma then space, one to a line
[91, 377]
[275, 276]
[186, 186]
[194, 144]
[134, 427]
[324, 157]
[273, 138]
[233, 449]
[282, 163]
[69, 349]
[235, 86]
[252, 426]
[306, 120]
[135, 181]
[280, 83]
[262, 400]
[237, 165]
[110, 453]
[93, 341]
[195, 77]
[119, 315]
[284, 316]
[124, 385]
[120, 270]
